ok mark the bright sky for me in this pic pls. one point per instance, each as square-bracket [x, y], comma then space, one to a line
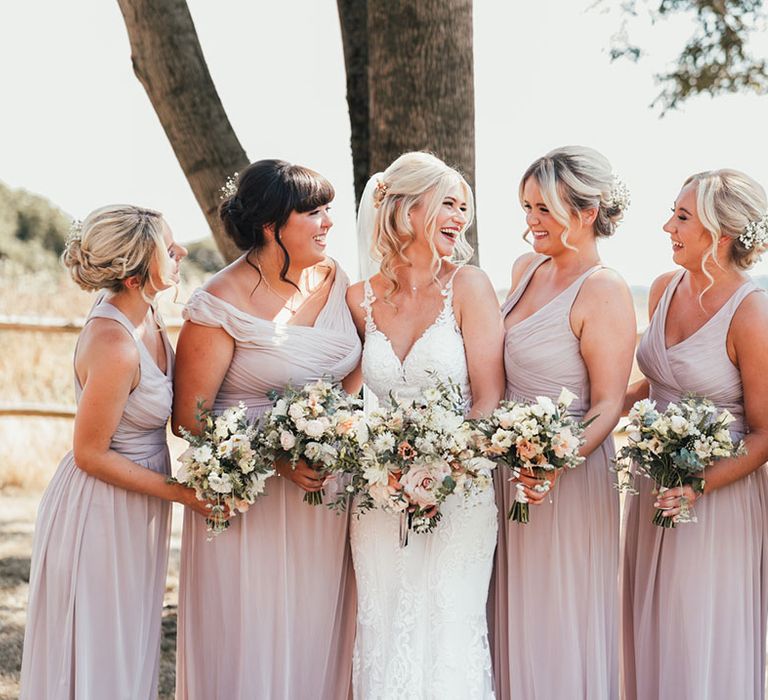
[78, 128]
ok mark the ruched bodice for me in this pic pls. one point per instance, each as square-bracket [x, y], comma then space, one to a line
[437, 353]
[541, 353]
[698, 364]
[567, 555]
[268, 355]
[281, 625]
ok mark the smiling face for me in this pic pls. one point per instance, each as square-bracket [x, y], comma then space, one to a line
[545, 229]
[690, 240]
[164, 269]
[304, 235]
[450, 220]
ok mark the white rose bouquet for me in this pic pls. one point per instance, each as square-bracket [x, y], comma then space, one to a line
[320, 423]
[417, 454]
[533, 438]
[222, 465]
[674, 447]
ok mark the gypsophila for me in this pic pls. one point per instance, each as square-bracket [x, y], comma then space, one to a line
[75, 230]
[618, 197]
[229, 188]
[755, 233]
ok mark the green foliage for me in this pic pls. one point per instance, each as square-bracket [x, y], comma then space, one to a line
[716, 59]
[32, 230]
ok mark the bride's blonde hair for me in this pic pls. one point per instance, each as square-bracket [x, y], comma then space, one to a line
[388, 199]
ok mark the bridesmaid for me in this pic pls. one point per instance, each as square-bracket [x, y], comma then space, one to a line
[695, 597]
[267, 610]
[101, 541]
[569, 323]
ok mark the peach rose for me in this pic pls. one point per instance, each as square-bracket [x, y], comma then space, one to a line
[422, 480]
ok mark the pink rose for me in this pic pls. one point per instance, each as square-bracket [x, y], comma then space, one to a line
[422, 480]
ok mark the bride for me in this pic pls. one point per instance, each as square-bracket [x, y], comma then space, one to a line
[421, 620]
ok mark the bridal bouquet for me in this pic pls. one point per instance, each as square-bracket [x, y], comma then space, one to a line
[320, 423]
[417, 454]
[222, 465]
[673, 447]
[532, 438]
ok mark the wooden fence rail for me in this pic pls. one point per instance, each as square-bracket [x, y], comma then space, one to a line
[42, 324]
[45, 324]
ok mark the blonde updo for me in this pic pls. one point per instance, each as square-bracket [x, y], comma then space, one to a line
[726, 202]
[114, 243]
[405, 183]
[575, 178]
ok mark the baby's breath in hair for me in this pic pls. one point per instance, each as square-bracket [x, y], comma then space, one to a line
[755, 233]
[618, 197]
[75, 230]
[229, 188]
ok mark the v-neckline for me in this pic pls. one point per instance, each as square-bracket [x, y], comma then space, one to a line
[706, 323]
[447, 300]
[523, 287]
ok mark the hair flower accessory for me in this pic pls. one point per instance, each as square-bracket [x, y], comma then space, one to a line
[755, 233]
[75, 230]
[229, 188]
[618, 197]
[379, 193]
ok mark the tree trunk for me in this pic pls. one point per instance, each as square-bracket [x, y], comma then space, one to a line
[420, 83]
[169, 62]
[353, 17]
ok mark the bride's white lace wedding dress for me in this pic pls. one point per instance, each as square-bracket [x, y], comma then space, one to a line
[421, 618]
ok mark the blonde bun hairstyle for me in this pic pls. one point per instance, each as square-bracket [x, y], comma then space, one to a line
[575, 178]
[114, 243]
[727, 201]
[412, 178]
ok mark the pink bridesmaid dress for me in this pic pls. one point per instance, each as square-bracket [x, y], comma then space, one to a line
[267, 609]
[694, 598]
[554, 597]
[99, 560]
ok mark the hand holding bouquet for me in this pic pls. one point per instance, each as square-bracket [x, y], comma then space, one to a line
[319, 423]
[535, 439]
[674, 447]
[222, 465]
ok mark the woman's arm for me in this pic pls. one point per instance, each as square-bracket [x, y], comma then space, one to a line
[108, 365]
[481, 326]
[748, 338]
[607, 332]
[353, 382]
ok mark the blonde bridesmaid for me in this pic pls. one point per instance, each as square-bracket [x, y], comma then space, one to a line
[101, 540]
[569, 323]
[695, 597]
[267, 610]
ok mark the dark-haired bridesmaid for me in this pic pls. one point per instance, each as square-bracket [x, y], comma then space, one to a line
[695, 597]
[267, 609]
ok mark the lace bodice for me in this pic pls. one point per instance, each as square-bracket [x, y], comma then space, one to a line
[438, 352]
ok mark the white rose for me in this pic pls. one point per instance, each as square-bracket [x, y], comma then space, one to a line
[280, 408]
[182, 473]
[287, 440]
[678, 424]
[220, 483]
[296, 411]
[316, 427]
[566, 397]
[203, 454]
[547, 405]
